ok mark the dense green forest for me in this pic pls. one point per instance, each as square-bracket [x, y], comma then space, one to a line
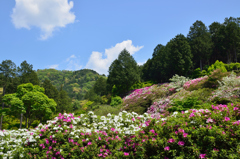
[79, 91]
[75, 83]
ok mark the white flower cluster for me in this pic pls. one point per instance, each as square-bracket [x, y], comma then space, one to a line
[125, 122]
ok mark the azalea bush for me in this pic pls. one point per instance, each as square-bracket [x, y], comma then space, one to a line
[192, 134]
[141, 100]
[177, 82]
[228, 90]
[195, 83]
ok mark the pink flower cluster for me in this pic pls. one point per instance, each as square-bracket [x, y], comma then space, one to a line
[138, 93]
[194, 82]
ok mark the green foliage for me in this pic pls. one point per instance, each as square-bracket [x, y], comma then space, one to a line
[76, 105]
[31, 101]
[50, 90]
[214, 78]
[87, 105]
[63, 102]
[200, 41]
[232, 66]
[123, 73]
[103, 110]
[180, 56]
[27, 74]
[75, 83]
[217, 65]
[100, 86]
[116, 101]
[142, 85]
[202, 94]
[198, 73]
[185, 104]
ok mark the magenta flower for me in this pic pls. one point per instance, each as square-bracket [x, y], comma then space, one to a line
[112, 129]
[40, 134]
[89, 143]
[152, 131]
[227, 118]
[181, 143]
[191, 115]
[235, 108]
[171, 140]
[185, 134]
[126, 154]
[202, 155]
[167, 148]
[99, 138]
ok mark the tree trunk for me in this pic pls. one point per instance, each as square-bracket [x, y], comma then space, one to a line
[235, 53]
[26, 122]
[21, 120]
[2, 108]
[201, 64]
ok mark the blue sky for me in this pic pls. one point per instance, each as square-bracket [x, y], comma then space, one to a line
[78, 34]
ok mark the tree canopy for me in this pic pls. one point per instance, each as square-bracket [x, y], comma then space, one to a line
[30, 101]
[123, 72]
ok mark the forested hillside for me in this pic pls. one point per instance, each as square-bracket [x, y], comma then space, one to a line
[75, 83]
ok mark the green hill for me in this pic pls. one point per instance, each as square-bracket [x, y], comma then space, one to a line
[76, 83]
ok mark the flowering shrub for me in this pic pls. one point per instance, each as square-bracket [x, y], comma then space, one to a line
[139, 92]
[65, 131]
[177, 82]
[193, 133]
[194, 82]
[229, 89]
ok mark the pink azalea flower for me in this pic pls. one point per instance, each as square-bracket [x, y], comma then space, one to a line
[126, 154]
[185, 135]
[227, 118]
[171, 140]
[167, 148]
[112, 129]
[152, 131]
[202, 155]
[181, 143]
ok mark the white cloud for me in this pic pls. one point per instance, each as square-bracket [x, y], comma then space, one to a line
[71, 57]
[54, 66]
[73, 63]
[141, 63]
[98, 63]
[48, 15]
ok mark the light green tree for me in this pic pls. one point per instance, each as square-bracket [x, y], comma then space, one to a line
[31, 102]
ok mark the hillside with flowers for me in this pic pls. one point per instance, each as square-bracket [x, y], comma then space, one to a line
[186, 118]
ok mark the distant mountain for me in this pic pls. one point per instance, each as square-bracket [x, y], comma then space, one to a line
[75, 83]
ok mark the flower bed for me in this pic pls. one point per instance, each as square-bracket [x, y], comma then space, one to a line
[193, 133]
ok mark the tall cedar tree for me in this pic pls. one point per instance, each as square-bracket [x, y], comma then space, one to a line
[200, 42]
[27, 74]
[64, 102]
[50, 90]
[180, 56]
[8, 72]
[123, 73]
[100, 86]
[232, 37]
[218, 52]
